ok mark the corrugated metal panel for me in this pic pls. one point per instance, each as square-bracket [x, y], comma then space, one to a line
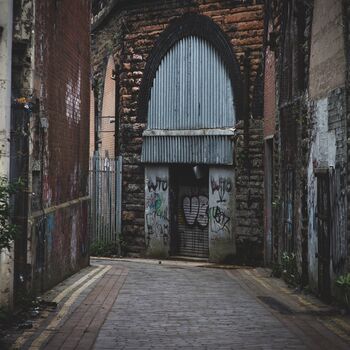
[208, 149]
[191, 89]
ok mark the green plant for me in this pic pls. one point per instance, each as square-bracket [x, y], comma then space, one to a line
[123, 245]
[290, 269]
[276, 202]
[8, 230]
[276, 270]
[343, 283]
[106, 249]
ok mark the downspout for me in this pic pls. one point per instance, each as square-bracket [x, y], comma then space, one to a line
[6, 22]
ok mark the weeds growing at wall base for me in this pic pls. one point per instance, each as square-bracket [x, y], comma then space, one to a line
[8, 230]
[108, 249]
[343, 284]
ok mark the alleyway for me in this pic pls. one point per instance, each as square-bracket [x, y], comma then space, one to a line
[179, 305]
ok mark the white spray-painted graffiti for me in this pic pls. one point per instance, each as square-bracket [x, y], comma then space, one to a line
[219, 217]
[157, 210]
[195, 210]
[222, 186]
[73, 100]
[219, 220]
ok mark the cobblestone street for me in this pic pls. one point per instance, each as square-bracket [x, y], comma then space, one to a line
[181, 305]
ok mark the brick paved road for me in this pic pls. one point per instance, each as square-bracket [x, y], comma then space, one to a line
[167, 307]
[175, 305]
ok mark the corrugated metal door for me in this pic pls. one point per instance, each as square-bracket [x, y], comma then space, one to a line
[193, 221]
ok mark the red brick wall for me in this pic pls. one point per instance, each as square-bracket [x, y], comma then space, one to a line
[63, 67]
[62, 71]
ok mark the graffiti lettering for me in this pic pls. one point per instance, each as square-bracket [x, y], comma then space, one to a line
[158, 227]
[219, 217]
[223, 186]
[155, 204]
[160, 184]
[195, 210]
[157, 220]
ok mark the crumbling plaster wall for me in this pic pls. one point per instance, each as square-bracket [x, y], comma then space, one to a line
[328, 129]
[291, 139]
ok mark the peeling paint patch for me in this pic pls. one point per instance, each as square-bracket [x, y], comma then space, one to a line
[47, 192]
[50, 226]
[319, 157]
[73, 242]
[327, 148]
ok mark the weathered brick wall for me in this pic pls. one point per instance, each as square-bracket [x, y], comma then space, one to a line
[250, 195]
[292, 131]
[346, 18]
[317, 110]
[129, 33]
[269, 88]
[63, 69]
[58, 167]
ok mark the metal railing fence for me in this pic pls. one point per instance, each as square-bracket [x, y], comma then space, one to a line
[105, 176]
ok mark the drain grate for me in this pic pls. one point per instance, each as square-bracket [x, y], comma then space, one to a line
[276, 305]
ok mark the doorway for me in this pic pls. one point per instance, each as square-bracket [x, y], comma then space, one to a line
[191, 192]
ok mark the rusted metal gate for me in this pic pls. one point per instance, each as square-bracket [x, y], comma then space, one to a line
[323, 233]
[105, 177]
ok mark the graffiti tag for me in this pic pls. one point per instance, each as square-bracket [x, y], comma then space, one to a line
[157, 227]
[223, 186]
[195, 210]
[155, 204]
[219, 218]
[159, 185]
